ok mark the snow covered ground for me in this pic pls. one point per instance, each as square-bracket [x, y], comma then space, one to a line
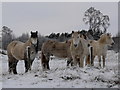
[61, 76]
[0, 71]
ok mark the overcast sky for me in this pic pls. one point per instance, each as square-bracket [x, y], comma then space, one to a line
[56, 17]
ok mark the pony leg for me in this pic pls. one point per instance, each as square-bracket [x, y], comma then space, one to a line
[74, 61]
[31, 62]
[12, 62]
[103, 61]
[47, 65]
[69, 61]
[92, 61]
[81, 62]
[26, 65]
[87, 60]
[92, 56]
[43, 66]
[14, 66]
[47, 61]
[99, 57]
[10, 66]
[43, 59]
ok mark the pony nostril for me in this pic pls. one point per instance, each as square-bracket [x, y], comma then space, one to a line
[75, 45]
[112, 43]
[32, 52]
[88, 45]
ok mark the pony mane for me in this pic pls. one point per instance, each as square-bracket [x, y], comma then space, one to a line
[102, 38]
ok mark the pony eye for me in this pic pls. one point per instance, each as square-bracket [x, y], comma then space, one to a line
[108, 36]
[78, 37]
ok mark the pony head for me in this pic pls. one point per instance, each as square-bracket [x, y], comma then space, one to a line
[75, 38]
[34, 37]
[107, 39]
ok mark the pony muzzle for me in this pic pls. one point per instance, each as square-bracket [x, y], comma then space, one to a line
[112, 43]
[75, 45]
[34, 41]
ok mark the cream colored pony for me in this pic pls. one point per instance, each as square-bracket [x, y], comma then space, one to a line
[79, 49]
[100, 47]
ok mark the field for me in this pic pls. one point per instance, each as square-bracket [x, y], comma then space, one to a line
[61, 76]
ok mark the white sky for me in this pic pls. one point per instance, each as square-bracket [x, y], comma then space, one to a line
[56, 17]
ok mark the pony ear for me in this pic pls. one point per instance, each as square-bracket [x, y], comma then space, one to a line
[108, 34]
[72, 31]
[81, 35]
[36, 32]
[69, 42]
[78, 32]
[66, 41]
[31, 32]
[85, 36]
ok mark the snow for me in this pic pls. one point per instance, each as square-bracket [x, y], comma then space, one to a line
[0, 71]
[61, 76]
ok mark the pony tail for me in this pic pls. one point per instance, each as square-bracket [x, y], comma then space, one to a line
[36, 47]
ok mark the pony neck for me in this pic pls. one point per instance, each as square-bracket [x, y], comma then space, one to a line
[28, 42]
[102, 41]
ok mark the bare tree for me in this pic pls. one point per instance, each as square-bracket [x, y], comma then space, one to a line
[6, 36]
[23, 38]
[96, 20]
[105, 22]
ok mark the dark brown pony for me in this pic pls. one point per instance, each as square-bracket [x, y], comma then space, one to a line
[58, 49]
[22, 51]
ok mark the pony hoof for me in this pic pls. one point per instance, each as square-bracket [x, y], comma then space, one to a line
[68, 66]
[81, 66]
[10, 72]
[26, 71]
[88, 65]
[74, 67]
[46, 69]
[15, 73]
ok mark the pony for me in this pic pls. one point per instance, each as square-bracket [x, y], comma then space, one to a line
[58, 49]
[100, 47]
[27, 51]
[79, 49]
